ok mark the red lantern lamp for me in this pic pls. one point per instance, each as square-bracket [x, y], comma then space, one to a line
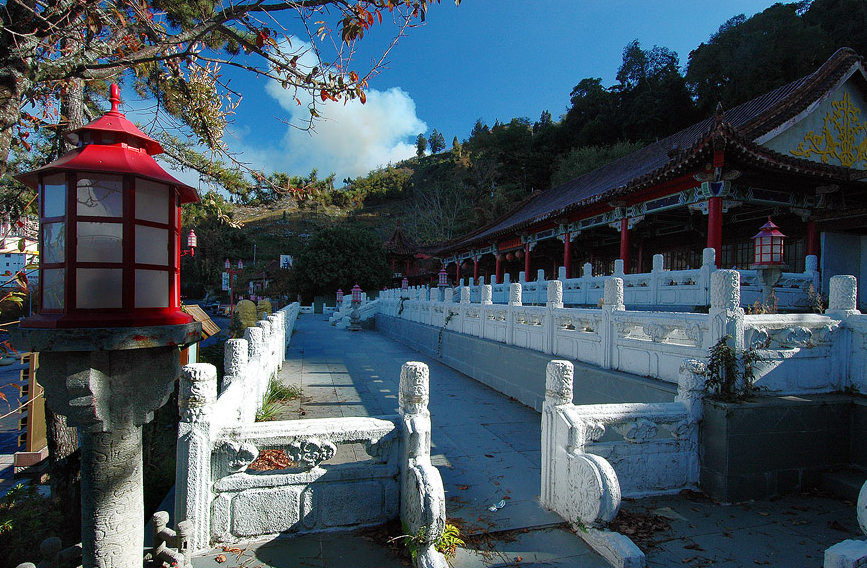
[339, 295]
[404, 284]
[110, 223]
[510, 256]
[356, 294]
[443, 277]
[768, 245]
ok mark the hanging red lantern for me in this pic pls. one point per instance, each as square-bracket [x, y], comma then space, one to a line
[510, 256]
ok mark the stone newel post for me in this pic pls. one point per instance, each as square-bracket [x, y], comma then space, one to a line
[108, 382]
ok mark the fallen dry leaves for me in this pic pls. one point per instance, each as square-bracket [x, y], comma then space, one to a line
[269, 460]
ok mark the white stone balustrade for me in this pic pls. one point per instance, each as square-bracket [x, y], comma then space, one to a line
[653, 449]
[218, 439]
[798, 353]
[663, 287]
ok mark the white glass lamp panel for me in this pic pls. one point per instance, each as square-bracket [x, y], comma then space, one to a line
[151, 289]
[100, 195]
[53, 242]
[151, 201]
[151, 245]
[54, 195]
[100, 242]
[98, 288]
[53, 282]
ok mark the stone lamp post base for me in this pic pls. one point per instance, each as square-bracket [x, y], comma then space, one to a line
[768, 275]
[108, 382]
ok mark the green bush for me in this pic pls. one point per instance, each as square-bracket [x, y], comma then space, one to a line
[26, 519]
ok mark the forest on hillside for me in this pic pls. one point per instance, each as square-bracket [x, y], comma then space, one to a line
[451, 190]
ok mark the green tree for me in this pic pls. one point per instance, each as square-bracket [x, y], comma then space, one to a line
[437, 142]
[588, 158]
[175, 49]
[748, 57]
[420, 145]
[340, 257]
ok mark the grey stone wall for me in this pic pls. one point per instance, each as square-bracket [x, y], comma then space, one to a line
[518, 372]
[756, 449]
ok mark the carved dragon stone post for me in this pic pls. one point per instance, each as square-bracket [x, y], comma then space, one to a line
[108, 382]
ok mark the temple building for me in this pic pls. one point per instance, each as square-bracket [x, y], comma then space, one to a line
[797, 154]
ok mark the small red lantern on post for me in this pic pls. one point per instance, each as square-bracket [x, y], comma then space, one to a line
[192, 243]
[443, 278]
[404, 284]
[110, 223]
[356, 294]
[339, 296]
[768, 245]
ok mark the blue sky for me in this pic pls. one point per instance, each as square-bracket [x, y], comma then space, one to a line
[488, 59]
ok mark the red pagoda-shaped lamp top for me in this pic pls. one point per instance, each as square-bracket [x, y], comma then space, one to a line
[110, 222]
[443, 277]
[404, 284]
[356, 294]
[768, 245]
[339, 296]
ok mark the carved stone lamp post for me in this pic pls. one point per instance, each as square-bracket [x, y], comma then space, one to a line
[354, 318]
[109, 322]
[768, 261]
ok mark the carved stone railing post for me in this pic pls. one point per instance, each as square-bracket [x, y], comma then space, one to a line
[197, 393]
[811, 267]
[613, 302]
[656, 276]
[255, 353]
[514, 301]
[708, 267]
[422, 498]
[487, 294]
[554, 302]
[558, 392]
[690, 392]
[235, 369]
[842, 299]
[726, 317]
[618, 268]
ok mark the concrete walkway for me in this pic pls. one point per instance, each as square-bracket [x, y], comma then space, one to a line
[487, 448]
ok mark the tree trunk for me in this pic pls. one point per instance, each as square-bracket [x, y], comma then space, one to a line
[10, 111]
[64, 455]
[64, 459]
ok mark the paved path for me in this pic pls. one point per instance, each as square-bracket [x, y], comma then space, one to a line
[487, 448]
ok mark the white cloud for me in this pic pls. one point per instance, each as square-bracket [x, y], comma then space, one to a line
[349, 139]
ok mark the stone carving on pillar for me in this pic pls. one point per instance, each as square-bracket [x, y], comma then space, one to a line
[422, 498]
[614, 294]
[515, 294]
[487, 295]
[726, 315]
[555, 294]
[842, 300]
[197, 392]
[465, 294]
[235, 358]
[559, 377]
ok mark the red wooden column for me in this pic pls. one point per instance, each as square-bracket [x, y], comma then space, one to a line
[624, 244]
[499, 269]
[475, 269]
[567, 254]
[392, 267]
[527, 276]
[458, 272]
[812, 239]
[714, 226]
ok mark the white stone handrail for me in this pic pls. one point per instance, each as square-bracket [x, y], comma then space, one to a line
[218, 440]
[660, 287]
[585, 476]
[654, 343]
